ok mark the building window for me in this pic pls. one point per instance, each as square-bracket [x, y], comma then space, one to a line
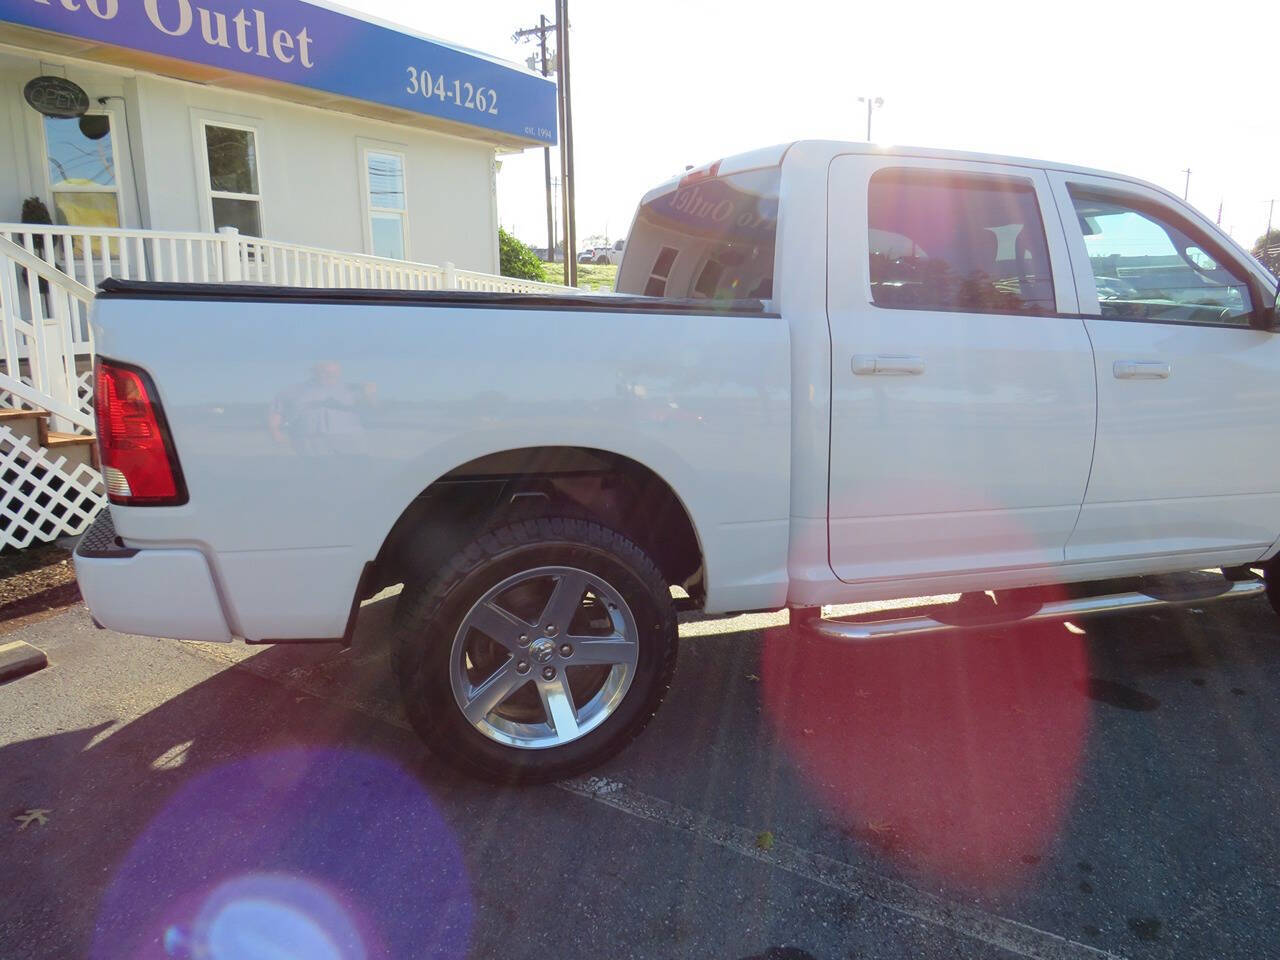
[384, 173]
[232, 154]
[82, 170]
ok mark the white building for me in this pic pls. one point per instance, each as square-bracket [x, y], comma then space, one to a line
[201, 141]
[289, 121]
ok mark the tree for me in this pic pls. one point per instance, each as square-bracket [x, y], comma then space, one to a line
[516, 259]
[1267, 250]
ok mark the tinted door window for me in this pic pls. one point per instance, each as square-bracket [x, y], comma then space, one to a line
[944, 241]
[1147, 268]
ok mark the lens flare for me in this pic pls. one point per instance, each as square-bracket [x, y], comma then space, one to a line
[301, 852]
[955, 755]
[264, 917]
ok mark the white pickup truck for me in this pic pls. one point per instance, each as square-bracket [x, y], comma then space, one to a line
[830, 373]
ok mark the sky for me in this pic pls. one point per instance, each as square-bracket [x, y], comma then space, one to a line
[1140, 88]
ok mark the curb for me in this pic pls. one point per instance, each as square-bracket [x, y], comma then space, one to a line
[18, 658]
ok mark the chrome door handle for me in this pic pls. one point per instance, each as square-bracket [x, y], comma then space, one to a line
[890, 365]
[1142, 370]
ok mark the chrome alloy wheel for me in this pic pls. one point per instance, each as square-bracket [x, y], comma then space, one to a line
[544, 657]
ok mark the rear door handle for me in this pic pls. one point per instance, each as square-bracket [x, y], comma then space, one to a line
[1142, 370]
[887, 365]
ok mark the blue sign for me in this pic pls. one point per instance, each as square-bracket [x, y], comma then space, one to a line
[312, 47]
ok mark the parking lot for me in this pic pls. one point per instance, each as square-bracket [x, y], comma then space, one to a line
[1037, 792]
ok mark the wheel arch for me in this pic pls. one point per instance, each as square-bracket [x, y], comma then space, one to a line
[617, 490]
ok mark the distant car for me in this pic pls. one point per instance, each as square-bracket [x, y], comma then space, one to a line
[587, 256]
[611, 254]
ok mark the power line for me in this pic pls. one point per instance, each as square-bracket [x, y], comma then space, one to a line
[544, 64]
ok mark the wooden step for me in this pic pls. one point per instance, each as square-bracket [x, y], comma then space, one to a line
[76, 447]
[53, 439]
[8, 413]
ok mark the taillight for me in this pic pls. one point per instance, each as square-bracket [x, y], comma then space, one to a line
[139, 465]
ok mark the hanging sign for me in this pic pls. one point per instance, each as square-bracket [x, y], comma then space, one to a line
[56, 97]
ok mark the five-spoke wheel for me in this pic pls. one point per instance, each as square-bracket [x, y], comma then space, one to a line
[541, 649]
[544, 657]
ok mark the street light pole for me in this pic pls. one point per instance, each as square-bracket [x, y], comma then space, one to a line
[1186, 187]
[566, 143]
[873, 103]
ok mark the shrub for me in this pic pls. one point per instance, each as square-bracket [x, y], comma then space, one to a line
[516, 259]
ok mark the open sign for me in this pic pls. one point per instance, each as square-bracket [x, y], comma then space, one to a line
[56, 97]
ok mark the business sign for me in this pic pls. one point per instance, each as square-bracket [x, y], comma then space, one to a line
[314, 47]
[56, 97]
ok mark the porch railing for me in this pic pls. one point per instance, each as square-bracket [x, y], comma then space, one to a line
[90, 254]
[43, 330]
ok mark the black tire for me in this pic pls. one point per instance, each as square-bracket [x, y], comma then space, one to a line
[1271, 574]
[429, 614]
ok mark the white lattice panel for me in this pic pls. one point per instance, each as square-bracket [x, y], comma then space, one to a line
[84, 392]
[42, 497]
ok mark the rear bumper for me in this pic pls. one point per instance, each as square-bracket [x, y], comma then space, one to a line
[155, 593]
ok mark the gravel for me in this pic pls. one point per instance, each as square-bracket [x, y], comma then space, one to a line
[41, 577]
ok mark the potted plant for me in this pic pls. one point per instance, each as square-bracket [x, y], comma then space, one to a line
[35, 211]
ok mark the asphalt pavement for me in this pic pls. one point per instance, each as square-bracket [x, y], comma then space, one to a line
[1104, 790]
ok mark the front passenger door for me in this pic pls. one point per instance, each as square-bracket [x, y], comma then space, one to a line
[1187, 460]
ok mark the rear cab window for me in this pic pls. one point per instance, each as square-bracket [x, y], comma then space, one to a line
[709, 237]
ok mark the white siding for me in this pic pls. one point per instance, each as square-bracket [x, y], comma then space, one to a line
[309, 166]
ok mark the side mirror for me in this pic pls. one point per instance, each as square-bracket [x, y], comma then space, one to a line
[1265, 318]
[1268, 317]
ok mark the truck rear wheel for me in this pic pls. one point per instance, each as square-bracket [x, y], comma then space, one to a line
[540, 650]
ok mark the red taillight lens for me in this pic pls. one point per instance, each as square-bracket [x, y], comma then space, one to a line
[138, 462]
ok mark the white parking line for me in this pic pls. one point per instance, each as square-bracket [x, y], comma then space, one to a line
[1016, 938]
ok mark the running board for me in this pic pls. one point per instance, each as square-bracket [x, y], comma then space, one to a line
[868, 630]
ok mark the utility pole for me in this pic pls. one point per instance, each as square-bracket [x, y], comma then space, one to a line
[566, 143]
[873, 103]
[541, 31]
[1271, 209]
[1186, 188]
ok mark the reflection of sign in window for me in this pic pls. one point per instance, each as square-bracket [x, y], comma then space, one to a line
[713, 237]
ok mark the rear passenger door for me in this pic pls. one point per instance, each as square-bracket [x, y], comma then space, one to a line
[1187, 465]
[963, 395]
